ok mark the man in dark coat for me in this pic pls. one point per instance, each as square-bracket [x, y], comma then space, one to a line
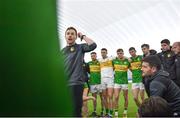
[167, 58]
[176, 50]
[159, 84]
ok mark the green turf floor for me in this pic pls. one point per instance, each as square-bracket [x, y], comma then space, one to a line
[132, 108]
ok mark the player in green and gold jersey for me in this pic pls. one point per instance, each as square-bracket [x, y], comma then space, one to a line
[95, 81]
[137, 85]
[121, 65]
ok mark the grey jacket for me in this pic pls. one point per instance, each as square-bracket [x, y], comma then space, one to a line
[73, 62]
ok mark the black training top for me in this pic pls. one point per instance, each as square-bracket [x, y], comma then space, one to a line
[160, 85]
[177, 63]
[168, 62]
[73, 62]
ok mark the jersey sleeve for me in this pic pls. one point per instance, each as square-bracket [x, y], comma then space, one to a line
[128, 64]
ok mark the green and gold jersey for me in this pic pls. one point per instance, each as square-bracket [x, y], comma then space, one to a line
[136, 64]
[95, 76]
[120, 69]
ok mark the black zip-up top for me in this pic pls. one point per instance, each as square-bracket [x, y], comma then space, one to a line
[73, 62]
[177, 63]
[168, 62]
[160, 85]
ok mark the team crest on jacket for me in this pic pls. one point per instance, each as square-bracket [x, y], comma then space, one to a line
[169, 55]
[72, 49]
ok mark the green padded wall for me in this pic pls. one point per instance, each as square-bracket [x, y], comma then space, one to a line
[32, 81]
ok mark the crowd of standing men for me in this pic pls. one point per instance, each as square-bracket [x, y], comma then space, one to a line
[158, 74]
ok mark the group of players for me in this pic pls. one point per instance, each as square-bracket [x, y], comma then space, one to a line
[109, 75]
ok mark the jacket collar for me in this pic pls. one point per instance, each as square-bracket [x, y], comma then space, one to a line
[159, 73]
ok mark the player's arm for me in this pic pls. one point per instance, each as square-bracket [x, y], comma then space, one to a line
[86, 98]
[113, 64]
[130, 60]
[90, 45]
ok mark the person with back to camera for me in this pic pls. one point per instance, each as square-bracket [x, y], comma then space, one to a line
[86, 98]
[73, 61]
[154, 106]
[159, 84]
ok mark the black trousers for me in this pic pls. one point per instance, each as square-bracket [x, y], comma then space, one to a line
[77, 92]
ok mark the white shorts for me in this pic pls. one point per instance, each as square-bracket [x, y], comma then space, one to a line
[107, 83]
[138, 85]
[121, 86]
[95, 88]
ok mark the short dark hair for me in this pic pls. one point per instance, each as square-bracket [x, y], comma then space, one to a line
[154, 106]
[145, 45]
[165, 41]
[132, 48]
[152, 51]
[69, 28]
[119, 50]
[153, 61]
[104, 49]
[93, 53]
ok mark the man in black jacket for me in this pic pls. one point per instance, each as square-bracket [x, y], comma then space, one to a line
[167, 58]
[159, 84]
[176, 50]
[146, 52]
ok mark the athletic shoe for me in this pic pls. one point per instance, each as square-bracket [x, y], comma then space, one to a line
[93, 114]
